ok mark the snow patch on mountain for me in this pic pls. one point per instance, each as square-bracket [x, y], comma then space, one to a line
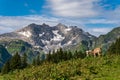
[57, 36]
[70, 41]
[25, 33]
[40, 35]
[68, 29]
[45, 41]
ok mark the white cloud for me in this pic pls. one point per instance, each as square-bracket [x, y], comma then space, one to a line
[102, 21]
[73, 8]
[8, 23]
[114, 14]
[99, 31]
[80, 13]
[66, 9]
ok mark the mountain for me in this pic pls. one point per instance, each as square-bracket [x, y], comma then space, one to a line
[21, 47]
[106, 40]
[114, 48]
[4, 55]
[51, 37]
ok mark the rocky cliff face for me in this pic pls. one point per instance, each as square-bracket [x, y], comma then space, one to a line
[51, 37]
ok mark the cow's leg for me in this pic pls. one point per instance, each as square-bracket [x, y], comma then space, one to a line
[94, 54]
[98, 53]
[87, 53]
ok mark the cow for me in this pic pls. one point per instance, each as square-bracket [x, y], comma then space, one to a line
[97, 51]
[94, 52]
[88, 52]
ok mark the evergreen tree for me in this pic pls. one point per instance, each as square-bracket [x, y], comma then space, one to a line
[38, 60]
[34, 62]
[24, 61]
[61, 54]
[115, 47]
[69, 55]
[65, 56]
[81, 55]
[76, 54]
[15, 62]
[49, 56]
[6, 68]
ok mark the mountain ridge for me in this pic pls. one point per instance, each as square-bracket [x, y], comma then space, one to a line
[50, 37]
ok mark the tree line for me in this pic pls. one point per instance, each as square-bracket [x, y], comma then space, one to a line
[16, 62]
[60, 55]
[20, 62]
[115, 47]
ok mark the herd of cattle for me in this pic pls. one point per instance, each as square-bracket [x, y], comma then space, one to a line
[94, 52]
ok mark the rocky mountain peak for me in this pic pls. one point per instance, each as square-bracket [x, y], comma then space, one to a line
[61, 26]
[44, 24]
[50, 38]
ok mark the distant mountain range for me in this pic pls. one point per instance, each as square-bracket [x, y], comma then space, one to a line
[106, 40]
[50, 37]
[39, 39]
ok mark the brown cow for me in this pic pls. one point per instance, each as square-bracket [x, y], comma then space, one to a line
[96, 51]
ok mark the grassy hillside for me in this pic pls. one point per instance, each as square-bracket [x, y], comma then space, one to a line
[21, 47]
[99, 68]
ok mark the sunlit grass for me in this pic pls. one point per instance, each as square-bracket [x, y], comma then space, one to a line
[89, 68]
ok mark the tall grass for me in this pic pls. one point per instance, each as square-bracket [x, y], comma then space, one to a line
[89, 68]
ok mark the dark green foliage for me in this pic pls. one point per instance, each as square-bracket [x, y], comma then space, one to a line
[115, 47]
[93, 70]
[79, 54]
[6, 68]
[15, 62]
[34, 62]
[24, 61]
[99, 68]
[38, 60]
[61, 55]
[70, 55]
[49, 56]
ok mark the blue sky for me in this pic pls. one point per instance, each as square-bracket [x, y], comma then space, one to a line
[95, 16]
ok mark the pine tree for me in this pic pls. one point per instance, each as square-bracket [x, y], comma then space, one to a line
[76, 54]
[24, 61]
[115, 47]
[70, 56]
[38, 60]
[6, 68]
[34, 62]
[61, 54]
[65, 56]
[49, 56]
[15, 62]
